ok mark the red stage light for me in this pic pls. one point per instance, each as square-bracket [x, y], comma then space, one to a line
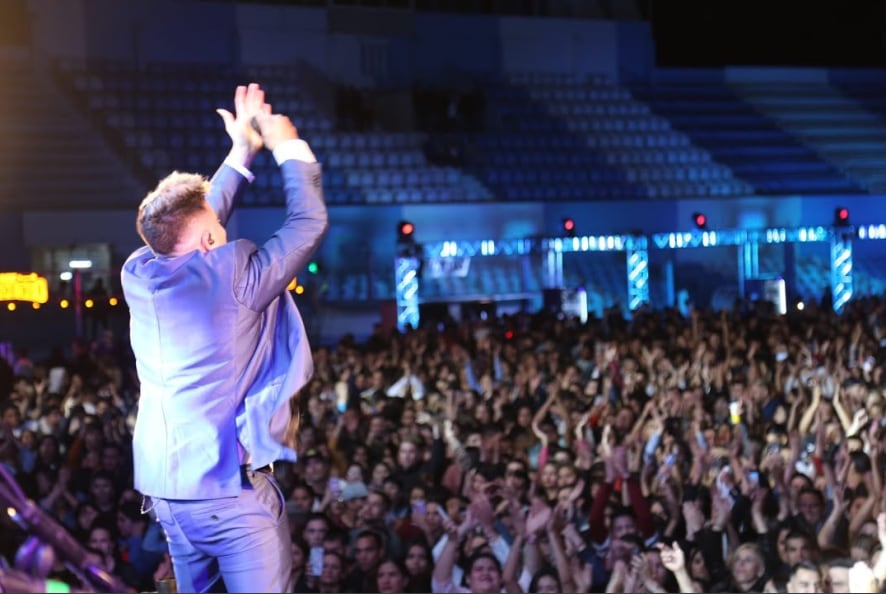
[405, 231]
[700, 220]
[569, 226]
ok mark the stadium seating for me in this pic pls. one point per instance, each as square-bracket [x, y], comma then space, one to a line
[755, 149]
[838, 128]
[570, 138]
[52, 153]
[164, 115]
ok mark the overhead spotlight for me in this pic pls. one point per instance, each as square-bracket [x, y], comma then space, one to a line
[700, 220]
[568, 225]
[405, 231]
[841, 216]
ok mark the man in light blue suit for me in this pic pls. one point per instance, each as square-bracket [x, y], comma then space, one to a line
[221, 352]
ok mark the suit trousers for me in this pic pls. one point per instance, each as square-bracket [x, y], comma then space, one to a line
[243, 540]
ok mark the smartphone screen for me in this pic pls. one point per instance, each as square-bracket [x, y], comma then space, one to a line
[419, 507]
[315, 564]
[722, 485]
[335, 486]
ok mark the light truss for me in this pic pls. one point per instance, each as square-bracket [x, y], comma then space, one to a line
[636, 250]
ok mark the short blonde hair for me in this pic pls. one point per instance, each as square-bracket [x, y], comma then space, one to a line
[752, 548]
[167, 208]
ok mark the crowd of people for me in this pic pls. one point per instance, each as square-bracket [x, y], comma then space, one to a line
[732, 451]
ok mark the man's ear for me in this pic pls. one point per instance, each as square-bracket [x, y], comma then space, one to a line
[206, 241]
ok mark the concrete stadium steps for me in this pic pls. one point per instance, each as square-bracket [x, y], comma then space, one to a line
[715, 117]
[836, 126]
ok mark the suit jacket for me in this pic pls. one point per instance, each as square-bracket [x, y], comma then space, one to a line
[220, 346]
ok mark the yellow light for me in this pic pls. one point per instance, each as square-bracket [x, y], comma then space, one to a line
[35, 305]
[299, 290]
[64, 303]
[113, 301]
[293, 284]
[10, 306]
[88, 303]
[23, 287]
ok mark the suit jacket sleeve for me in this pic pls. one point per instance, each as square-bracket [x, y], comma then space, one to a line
[225, 187]
[273, 265]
